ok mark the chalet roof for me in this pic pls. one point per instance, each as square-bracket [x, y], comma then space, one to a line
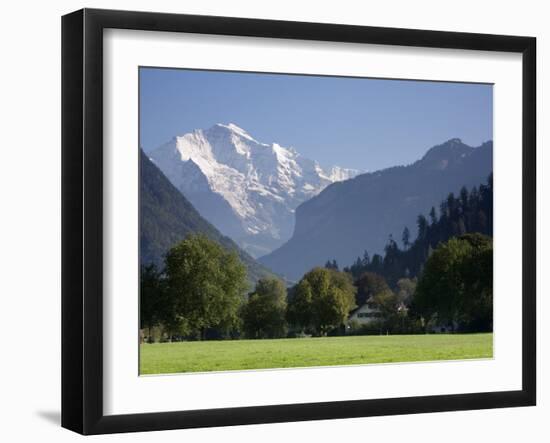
[354, 310]
[368, 304]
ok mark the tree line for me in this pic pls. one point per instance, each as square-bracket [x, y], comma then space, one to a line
[201, 294]
[443, 277]
[468, 212]
[448, 268]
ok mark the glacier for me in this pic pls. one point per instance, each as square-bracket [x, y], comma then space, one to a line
[249, 190]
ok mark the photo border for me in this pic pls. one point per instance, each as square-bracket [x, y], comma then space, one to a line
[82, 220]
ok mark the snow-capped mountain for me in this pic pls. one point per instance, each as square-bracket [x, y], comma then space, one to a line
[247, 189]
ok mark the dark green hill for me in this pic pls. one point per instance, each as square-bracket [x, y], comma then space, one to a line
[468, 212]
[350, 216]
[167, 217]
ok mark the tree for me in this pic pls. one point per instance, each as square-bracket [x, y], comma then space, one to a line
[151, 295]
[456, 285]
[322, 300]
[264, 313]
[300, 305]
[461, 226]
[482, 222]
[439, 287]
[392, 267]
[464, 199]
[376, 263]
[359, 266]
[477, 272]
[366, 258]
[422, 224]
[368, 285]
[206, 284]
[452, 205]
[406, 237]
[387, 302]
[157, 304]
[433, 216]
[405, 290]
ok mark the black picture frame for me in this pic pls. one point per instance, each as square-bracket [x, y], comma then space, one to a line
[82, 218]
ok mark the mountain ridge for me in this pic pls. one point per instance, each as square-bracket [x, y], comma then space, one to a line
[360, 213]
[166, 217]
[247, 189]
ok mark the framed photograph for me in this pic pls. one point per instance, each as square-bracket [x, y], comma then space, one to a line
[268, 221]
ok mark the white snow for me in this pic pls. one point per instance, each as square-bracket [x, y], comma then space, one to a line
[263, 183]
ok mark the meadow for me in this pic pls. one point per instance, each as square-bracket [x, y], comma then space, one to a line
[224, 355]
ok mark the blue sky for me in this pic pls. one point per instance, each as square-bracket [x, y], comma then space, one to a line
[361, 123]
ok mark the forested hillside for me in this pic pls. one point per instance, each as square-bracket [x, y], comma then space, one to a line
[357, 214]
[471, 211]
[167, 217]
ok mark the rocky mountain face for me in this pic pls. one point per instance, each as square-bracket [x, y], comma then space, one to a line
[167, 217]
[355, 215]
[246, 189]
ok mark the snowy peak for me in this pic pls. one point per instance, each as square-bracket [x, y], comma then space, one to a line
[262, 183]
[338, 174]
[236, 130]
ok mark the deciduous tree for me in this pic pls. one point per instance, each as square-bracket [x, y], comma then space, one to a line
[368, 285]
[322, 300]
[206, 283]
[264, 313]
[456, 284]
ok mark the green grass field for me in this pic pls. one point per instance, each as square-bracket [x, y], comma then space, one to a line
[197, 356]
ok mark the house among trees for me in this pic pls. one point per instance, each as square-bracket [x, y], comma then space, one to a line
[365, 314]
